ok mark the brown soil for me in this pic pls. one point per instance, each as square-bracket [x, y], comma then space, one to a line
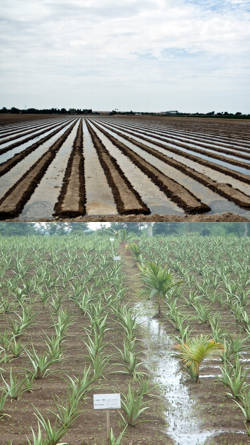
[6, 166]
[72, 198]
[89, 428]
[14, 200]
[222, 146]
[207, 163]
[175, 191]
[225, 190]
[71, 204]
[195, 149]
[127, 199]
[214, 408]
[7, 118]
[16, 144]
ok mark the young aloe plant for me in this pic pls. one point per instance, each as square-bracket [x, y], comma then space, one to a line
[234, 377]
[15, 387]
[133, 407]
[195, 351]
[118, 440]
[41, 363]
[3, 397]
[53, 432]
[130, 364]
[244, 404]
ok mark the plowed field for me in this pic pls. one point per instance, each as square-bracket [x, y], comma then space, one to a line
[109, 167]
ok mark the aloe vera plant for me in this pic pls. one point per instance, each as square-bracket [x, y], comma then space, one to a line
[3, 397]
[195, 351]
[41, 363]
[244, 404]
[234, 377]
[116, 440]
[14, 387]
[133, 407]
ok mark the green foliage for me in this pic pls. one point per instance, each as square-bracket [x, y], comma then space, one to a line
[195, 351]
[157, 280]
[133, 407]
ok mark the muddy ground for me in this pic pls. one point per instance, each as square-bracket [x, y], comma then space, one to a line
[201, 173]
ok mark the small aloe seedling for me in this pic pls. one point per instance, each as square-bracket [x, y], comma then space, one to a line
[118, 440]
[53, 432]
[3, 397]
[15, 387]
[133, 407]
[234, 378]
[15, 348]
[54, 345]
[130, 363]
[244, 404]
[41, 363]
[80, 386]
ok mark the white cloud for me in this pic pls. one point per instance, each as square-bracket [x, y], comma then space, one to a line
[76, 48]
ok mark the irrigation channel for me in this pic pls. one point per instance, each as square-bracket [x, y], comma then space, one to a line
[70, 167]
[182, 413]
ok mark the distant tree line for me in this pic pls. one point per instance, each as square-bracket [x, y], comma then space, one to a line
[223, 114]
[212, 114]
[14, 110]
[240, 229]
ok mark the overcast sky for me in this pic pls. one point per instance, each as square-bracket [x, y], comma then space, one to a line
[186, 55]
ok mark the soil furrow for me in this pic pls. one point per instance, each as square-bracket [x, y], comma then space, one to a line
[127, 199]
[16, 144]
[226, 142]
[195, 149]
[225, 190]
[226, 171]
[14, 200]
[25, 133]
[196, 141]
[6, 166]
[173, 190]
[72, 199]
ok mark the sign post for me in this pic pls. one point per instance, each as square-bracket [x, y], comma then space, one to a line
[107, 402]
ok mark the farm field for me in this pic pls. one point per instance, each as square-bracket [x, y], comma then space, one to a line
[78, 318]
[112, 168]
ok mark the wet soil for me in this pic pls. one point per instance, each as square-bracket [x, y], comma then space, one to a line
[224, 190]
[174, 190]
[72, 198]
[214, 409]
[79, 198]
[127, 199]
[89, 428]
[12, 203]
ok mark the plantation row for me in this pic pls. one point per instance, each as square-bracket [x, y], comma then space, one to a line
[206, 307]
[66, 333]
[71, 327]
[69, 167]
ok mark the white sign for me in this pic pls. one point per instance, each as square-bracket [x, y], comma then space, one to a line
[111, 239]
[107, 401]
[117, 258]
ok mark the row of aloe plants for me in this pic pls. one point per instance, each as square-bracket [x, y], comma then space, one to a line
[58, 272]
[168, 293]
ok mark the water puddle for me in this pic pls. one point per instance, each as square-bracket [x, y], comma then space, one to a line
[202, 156]
[99, 196]
[183, 425]
[156, 200]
